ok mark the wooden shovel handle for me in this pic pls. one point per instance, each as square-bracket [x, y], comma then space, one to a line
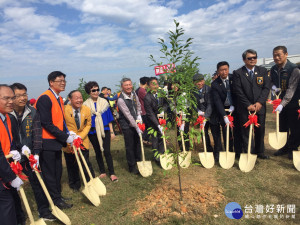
[80, 166]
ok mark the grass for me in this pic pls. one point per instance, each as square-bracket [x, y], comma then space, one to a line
[273, 181]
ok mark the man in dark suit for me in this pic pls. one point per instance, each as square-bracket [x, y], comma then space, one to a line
[54, 135]
[155, 106]
[251, 85]
[203, 101]
[221, 92]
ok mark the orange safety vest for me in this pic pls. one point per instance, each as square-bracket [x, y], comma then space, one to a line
[118, 94]
[57, 114]
[4, 138]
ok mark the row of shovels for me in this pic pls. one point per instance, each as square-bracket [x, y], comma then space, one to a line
[92, 190]
[247, 160]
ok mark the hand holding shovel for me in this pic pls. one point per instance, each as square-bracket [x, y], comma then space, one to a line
[55, 210]
[247, 160]
[26, 204]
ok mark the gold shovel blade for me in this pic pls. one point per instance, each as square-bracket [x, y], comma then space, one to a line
[166, 161]
[296, 159]
[184, 159]
[207, 159]
[60, 215]
[277, 140]
[227, 159]
[91, 195]
[145, 168]
[98, 186]
[246, 163]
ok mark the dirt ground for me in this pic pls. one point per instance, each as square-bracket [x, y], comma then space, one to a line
[200, 192]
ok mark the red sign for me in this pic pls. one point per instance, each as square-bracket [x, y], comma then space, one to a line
[168, 68]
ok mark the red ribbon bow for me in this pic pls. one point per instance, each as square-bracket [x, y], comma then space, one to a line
[141, 126]
[299, 113]
[163, 123]
[230, 118]
[252, 120]
[200, 120]
[179, 121]
[78, 143]
[32, 162]
[17, 169]
[275, 103]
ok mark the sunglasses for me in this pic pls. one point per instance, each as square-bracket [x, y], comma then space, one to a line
[250, 58]
[95, 90]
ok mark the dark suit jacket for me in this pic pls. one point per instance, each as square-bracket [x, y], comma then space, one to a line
[152, 107]
[205, 105]
[219, 94]
[249, 91]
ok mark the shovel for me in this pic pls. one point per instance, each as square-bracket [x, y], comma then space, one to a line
[277, 139]
[296, 155]
[55, 210]
[25, 201]
[184, 157]
[88, 189]
[96, 183]
[145, 167]
[206, 158]
[227, 158]
[166, 160]
[247, 160]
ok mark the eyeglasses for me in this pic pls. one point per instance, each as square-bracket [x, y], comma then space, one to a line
[7, 99]
[95, 90]
[60, 81]
[251, 58]
[23, 95]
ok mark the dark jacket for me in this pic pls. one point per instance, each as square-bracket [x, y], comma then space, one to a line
[249, 91]
[219, 95]
[44, 106]
[153, 107]
[281, 80]
[204, 101]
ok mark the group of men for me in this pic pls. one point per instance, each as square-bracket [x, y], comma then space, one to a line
[45, 129]
[240, 94]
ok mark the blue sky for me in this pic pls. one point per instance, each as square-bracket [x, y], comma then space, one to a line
[104, 40]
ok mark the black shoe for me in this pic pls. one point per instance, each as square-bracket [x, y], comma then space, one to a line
[263, 156]
[65, 199]
[64, 205]
[281, 151]
[135, 171]
[48, 217]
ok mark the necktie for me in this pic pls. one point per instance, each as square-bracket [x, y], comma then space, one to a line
[77, 119]
[251, 74]
[228, 101]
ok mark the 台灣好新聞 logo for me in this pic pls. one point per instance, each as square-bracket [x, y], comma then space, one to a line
[233, 210]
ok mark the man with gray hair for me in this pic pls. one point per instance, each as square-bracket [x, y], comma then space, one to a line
[130, 111]
[251, 85]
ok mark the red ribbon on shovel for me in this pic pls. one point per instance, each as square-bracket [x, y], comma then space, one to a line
[252, 120]
[32, 162]
[230, 118]
[141, 126]
[163, 123]
[200, 120]
[275, 103]
[78, 143]
[17, 169]
[179, 121]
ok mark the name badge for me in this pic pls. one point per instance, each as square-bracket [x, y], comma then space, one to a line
[260, 80]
